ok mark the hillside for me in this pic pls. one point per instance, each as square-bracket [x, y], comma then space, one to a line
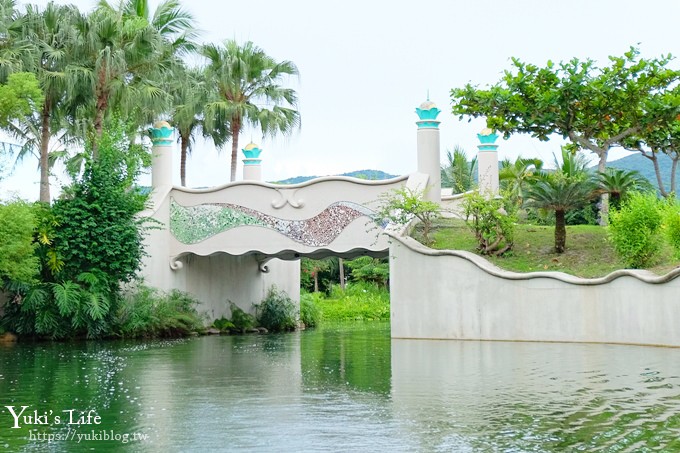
[361, 174]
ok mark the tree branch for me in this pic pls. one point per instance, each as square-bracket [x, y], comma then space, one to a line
[617, 138]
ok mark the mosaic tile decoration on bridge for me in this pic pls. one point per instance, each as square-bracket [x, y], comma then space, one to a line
[193, 224]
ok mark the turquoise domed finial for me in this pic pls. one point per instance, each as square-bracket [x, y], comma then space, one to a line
[252, 153]
[161, 133]
[427, 115]
[487, 137]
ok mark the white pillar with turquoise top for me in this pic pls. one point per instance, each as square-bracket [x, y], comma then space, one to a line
[487, 163]
[161, 154]
[428, 149]
[252, 164]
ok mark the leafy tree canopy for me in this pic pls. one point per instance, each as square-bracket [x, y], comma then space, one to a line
[595, 108]
[19, 97]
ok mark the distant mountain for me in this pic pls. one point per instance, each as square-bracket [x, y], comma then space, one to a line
[645, 167]
[361, 174]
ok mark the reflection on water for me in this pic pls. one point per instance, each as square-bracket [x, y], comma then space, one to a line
[346, 388]
[501, 396]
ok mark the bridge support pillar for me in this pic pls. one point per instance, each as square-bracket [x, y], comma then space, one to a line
[252, 164]
[487, 163]
[428, 149]
[161, 155]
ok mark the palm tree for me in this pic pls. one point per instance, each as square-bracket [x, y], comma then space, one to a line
[248, 84]
[458, 173]
[569, 187]
[618, 183]
[117, 69]
[189, 97]
[176, 25]
[48, 36]
[12, 46]
[515, 176]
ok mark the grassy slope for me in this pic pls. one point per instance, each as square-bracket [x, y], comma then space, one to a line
[589, 252]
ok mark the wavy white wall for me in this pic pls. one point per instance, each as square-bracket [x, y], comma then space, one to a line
[455, 295]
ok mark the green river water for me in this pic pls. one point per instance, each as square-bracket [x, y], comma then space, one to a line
[339, 388]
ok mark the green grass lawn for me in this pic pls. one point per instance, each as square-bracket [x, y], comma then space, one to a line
[589, 252]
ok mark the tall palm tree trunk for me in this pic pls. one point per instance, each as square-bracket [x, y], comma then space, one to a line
[235, 129]
[44, 154]
[100, 106]
[560, 231]
[183, 160]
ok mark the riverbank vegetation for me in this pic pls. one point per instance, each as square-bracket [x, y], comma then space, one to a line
[80, 254]
[334, 289]
[357, 302]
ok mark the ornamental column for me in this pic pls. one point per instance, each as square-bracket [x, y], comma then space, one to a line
[252, 164]
[487, 163]
[161, 154]
[428, 149]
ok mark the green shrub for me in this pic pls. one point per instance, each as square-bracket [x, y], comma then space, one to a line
[97, 227]
[240, 319]
[357, 302]
[368, 269]
[671, 226]
[634, 229]
[310, 314]
[147, 313]
[493, 228]
[400, 206]
[277, 311]
[17, 258]
[223, 324]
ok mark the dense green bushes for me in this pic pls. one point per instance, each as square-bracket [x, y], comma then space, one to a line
[640, 226]
[241, 320]
[87, 245]
[635, 229]
[277, 311]
[493, 227]
[671, 226]
[17, 258]
[310, 314]
[357, 302]
[146, 312]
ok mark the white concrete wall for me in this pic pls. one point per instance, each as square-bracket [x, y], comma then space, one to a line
[458, 295]
[218, 279]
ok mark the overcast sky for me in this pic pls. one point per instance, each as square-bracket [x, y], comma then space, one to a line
[365, 66]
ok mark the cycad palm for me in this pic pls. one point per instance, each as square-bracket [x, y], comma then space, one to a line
[248, 84]
[569, 187]
[618, 183]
